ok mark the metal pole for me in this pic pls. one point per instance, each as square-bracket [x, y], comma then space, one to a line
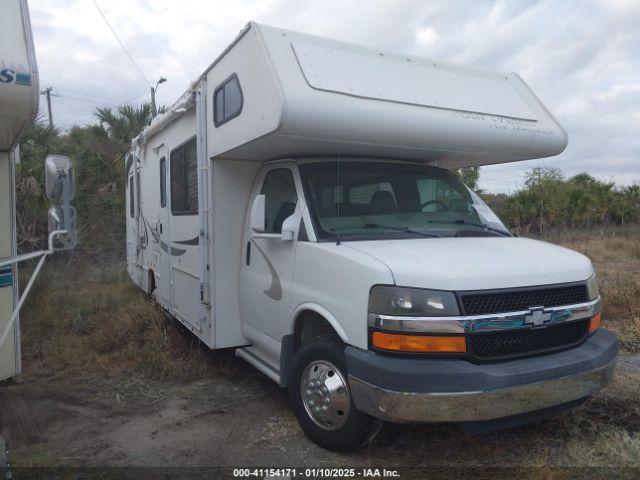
[23, 297]
[22, 258]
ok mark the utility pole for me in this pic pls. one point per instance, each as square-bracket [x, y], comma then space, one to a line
[47, 93]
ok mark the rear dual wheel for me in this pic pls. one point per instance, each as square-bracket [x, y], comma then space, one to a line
[321, 398]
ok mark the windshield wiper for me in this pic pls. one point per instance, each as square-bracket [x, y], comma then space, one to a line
[391, 227]
[473, 224]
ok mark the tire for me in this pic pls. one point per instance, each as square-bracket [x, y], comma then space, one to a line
[342, 428]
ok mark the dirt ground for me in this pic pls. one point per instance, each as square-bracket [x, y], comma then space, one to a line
[245, 420]
[109, 383]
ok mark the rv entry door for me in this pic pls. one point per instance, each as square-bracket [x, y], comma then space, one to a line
[131, 223]
[162, 229]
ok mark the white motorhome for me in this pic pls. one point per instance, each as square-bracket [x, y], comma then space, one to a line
[18, 107]
[296, 204]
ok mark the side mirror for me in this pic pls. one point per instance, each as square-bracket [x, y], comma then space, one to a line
[62, 228]
[258, 214]
[60, 189]
[59, 179]
[289, 227]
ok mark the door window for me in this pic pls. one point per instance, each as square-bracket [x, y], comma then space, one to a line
[281, 197]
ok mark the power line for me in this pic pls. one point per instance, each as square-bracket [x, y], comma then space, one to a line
[88, 95]
[88, 100]
[67, 125]
[122, 44]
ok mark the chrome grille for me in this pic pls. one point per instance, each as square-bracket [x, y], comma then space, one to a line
[493, 345]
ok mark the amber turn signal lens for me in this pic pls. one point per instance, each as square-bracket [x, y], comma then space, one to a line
[594, 323]
[418, 343]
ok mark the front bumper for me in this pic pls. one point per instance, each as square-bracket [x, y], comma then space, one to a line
[410, 389]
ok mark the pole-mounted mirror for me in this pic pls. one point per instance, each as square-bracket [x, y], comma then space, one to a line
[60, 189]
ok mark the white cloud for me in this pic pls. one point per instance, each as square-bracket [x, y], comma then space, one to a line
[581, 58]
[426, 36]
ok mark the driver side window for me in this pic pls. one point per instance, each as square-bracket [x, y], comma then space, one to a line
[281, 197]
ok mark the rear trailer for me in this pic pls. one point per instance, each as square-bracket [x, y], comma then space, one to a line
[18, 107]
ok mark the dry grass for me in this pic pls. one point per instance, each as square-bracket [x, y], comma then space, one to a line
[86, 319]
[617, 262]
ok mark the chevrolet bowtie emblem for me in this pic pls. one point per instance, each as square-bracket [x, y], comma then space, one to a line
[537, 317]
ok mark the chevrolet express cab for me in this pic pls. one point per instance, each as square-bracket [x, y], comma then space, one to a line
[297, 204]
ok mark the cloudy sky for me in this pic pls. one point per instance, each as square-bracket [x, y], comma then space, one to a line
[582, 58]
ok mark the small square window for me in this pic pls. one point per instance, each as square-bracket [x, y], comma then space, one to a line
[227, 101]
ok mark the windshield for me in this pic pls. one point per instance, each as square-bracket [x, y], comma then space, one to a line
[366, 200]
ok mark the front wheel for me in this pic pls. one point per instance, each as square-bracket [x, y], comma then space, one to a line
[321, 398]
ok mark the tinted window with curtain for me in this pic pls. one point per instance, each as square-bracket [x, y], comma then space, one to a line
[163, 182]
[184, 179]
[227, 101]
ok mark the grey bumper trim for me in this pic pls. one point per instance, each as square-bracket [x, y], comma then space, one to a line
[405, 407]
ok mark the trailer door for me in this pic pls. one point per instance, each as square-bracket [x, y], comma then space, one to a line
[183, 239]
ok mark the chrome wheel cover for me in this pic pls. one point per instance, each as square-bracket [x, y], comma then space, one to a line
[325, 395]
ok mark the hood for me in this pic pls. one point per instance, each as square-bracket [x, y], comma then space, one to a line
[477, 263]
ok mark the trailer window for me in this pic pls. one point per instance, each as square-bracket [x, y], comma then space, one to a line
[163, 182]
[132, 208]
[227, 100]
[281, 197]
[184, 179]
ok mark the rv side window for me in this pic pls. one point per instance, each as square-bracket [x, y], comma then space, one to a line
[227, 101]
[163, 182]
[132, 208]
[184, 179]
[280, 194]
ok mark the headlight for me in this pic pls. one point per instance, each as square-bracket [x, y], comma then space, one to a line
[417, 302]
[592, 287]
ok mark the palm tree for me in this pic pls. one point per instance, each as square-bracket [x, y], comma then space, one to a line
[119, 127]
[125, 123]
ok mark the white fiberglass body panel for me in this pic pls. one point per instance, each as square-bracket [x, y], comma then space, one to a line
[18, 72]
[310, 96]
[405, 80]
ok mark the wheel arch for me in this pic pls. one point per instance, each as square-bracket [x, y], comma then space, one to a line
[312, 319]
[307, 311]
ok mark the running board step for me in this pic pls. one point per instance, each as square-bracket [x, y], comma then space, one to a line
[256, 358]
